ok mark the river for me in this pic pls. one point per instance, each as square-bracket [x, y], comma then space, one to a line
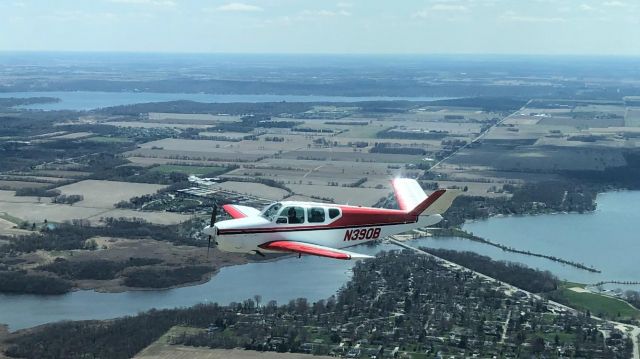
[88, 100]
[606, 239]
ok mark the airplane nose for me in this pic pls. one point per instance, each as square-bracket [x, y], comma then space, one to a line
[211, 231]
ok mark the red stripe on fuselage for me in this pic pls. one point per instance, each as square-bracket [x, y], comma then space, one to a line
[354, 216]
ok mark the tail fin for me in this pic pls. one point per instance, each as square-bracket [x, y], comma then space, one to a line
[411, 198]
[408, 193]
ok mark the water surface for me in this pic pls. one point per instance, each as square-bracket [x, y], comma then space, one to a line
[88, 100]
[606, 239]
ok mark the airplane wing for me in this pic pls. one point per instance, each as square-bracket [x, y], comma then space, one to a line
[237, 211]
[312, 249]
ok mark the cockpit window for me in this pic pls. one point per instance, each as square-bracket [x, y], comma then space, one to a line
[333, 213]
[271, 212]
[293, 214]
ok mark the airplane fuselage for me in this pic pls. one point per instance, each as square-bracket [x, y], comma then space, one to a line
[350, 226]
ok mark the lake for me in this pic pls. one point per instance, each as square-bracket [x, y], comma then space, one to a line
[88, 100]
[606, 239]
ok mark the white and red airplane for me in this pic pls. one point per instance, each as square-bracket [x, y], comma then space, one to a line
[323, 229]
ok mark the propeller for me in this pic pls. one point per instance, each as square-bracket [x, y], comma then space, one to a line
[214, 214]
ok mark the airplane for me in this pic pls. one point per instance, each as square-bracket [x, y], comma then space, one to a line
[323, 229]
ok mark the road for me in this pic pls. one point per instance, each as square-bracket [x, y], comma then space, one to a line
[480, 136]
[635, 332]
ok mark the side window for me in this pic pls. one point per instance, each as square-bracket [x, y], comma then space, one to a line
[315, 215]
[293, 214]
[333, 213]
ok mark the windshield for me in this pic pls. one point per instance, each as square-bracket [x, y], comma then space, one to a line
[271, 212]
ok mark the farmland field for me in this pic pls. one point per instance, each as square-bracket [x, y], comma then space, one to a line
[253, 189]
[190, 170]
[104, 194]
[349, 195]
[140, 124]
[13, 185]
[103, 139]
[632, 117]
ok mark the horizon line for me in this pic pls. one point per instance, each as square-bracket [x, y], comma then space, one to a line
[372, 54]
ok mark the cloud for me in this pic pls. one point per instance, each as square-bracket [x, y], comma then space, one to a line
[449, 7]
[511, 16]
[323, 13]
[164, 3]
[239, 7]
[614, 3]
[586, 7]
[440, 7]
[421, 14]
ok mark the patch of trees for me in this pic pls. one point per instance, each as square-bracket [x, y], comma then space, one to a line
[75, 234]
[531, 198]
[274, 139]
[586, 138]
[312, 130]
[164, 277]
[115, 339]
[21, 282]
[139, 174]
[67, 199]
[236, 108]
[21, 101]
[411, 135]
[347, 123]
[37, 192]
[390, 148]
[359, 182]
[23, 156]
[633, 297]
[516, 274]
[489, 104]
[621, 177]
[249, 123]
[453, 143]
[136, 202]
[94, 269]
[357, 144]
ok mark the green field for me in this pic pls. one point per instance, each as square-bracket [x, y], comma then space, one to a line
[599, 304]
[7, 217]
[368, 131]
[191, 170]
[567, 284]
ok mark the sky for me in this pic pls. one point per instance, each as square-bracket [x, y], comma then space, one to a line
[549, 27]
